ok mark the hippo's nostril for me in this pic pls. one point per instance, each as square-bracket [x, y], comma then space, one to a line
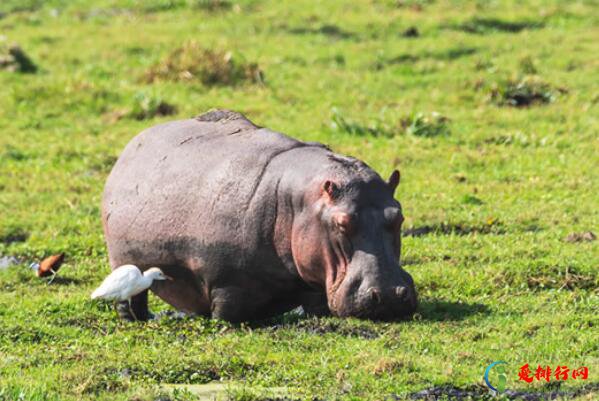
[374, 294]
[401, 292]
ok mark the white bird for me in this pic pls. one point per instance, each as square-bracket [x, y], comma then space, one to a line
[127, 281]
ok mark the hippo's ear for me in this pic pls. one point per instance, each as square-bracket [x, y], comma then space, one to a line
[330, 189]
[393, 181]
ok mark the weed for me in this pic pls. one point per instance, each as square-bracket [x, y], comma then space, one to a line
[472, 200]
[14, 59]
[211, 67]
[426, 125]
[418, 124]
[523, 92]
[528, 65]
[581, 237]
[146, 106]
[344, 124]
[19, 6]
[411, 32]
[518, 138]
[385, 366]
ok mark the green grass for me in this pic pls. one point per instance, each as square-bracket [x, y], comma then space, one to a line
[495, 193]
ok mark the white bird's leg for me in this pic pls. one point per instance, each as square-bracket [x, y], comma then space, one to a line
[131, 310]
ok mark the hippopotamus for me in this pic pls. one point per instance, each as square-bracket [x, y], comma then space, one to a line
[251, 223]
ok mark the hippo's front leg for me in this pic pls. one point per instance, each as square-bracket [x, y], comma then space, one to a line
[237, 304]
[315, 304]
[232, 304]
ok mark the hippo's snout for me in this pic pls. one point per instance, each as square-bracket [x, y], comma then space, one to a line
[382, 301]
[389, 303]
[400, 292]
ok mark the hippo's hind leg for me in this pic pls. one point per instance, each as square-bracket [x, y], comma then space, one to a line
[185, 292]
[136, 310]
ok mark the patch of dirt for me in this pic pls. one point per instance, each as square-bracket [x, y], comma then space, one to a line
[317, 326]
[332, 31]
[480, 25]
[12, 235]
[581, 237]
[481, 392]
[193, 373]
[450, 54]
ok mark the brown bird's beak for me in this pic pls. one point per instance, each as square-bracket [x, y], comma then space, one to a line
[169, 278]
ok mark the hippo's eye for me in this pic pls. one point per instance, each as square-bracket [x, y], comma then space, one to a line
[344, 222]
[393, 219]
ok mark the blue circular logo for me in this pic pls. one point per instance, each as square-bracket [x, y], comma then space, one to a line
[501, 378]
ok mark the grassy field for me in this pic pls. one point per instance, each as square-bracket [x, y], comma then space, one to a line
[490, 110]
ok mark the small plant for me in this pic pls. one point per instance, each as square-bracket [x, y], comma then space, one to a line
[411, 32]
[427, 125]
[14, 59]
[146, 107]
[472, 200]
[522, 92]
[527, 65]
[419, 124]
[341, 123]
[211, 67]
[213, 5]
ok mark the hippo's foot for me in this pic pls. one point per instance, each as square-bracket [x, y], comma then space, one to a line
[137, 309]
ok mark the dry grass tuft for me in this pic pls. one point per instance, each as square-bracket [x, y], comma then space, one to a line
[192, 62]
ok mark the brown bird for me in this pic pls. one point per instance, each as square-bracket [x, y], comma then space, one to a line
[50, 265]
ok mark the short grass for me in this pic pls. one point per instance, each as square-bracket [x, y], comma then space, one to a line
[492, 182]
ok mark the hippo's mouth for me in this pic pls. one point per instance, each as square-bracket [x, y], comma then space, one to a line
[339, 266]
[381, 313]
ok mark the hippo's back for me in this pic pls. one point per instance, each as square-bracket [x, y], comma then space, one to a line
[194, 178]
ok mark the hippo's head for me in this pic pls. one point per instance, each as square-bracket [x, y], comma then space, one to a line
[348, 240]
